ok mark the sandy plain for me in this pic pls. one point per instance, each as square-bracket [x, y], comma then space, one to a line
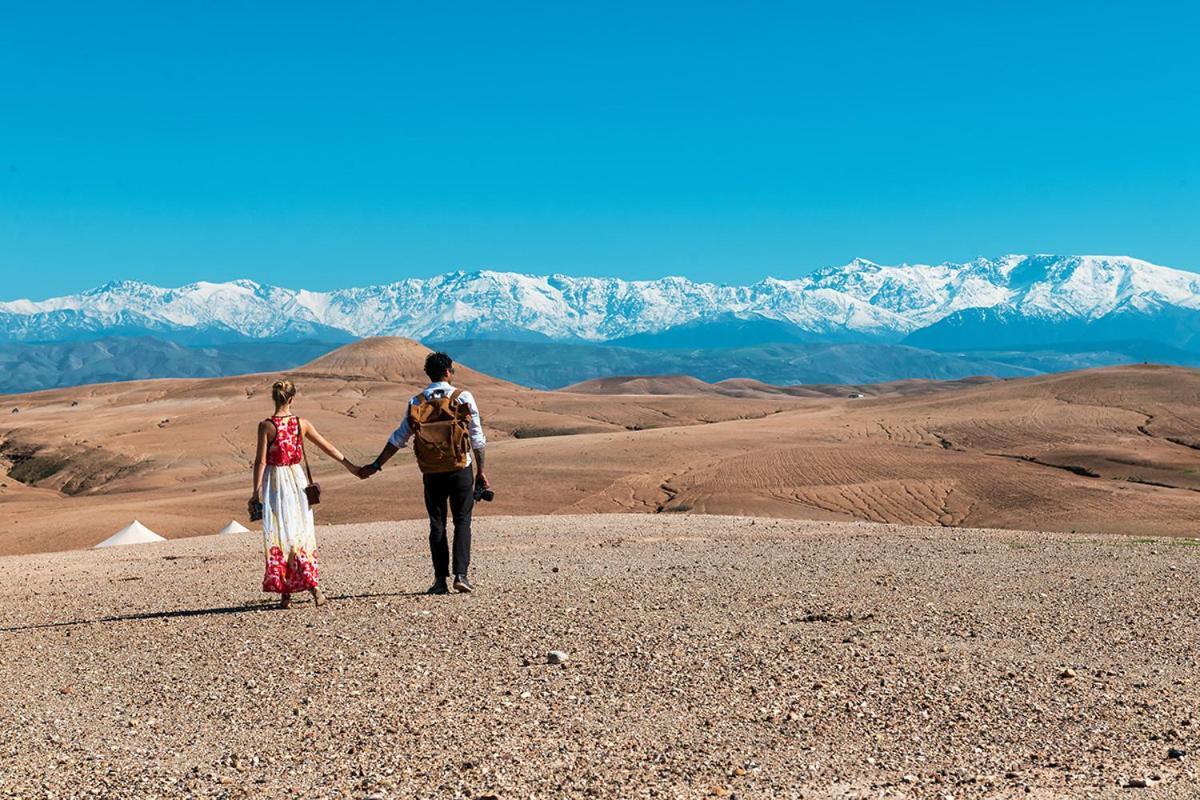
[707, 657]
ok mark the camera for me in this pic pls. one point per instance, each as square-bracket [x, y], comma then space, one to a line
[487, 495]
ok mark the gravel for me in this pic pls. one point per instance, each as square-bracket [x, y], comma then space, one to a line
[708, 656]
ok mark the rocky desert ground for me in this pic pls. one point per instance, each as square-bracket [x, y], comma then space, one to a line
[1101, 451]
[704, 657]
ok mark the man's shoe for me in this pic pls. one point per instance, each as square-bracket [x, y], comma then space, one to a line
[461, 584]
[439, 587]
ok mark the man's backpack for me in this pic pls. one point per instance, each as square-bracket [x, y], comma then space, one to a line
[441, 432]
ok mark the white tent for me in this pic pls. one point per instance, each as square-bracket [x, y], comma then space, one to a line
[134, 533]
[234, 527]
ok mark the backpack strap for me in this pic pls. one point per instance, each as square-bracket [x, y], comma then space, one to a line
[416, 400]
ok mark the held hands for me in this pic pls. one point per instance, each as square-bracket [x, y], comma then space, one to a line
[365, 472]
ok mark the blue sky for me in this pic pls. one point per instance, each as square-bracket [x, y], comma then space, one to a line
[322, 144]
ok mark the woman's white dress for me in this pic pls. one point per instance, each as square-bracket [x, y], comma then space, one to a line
[289, 538]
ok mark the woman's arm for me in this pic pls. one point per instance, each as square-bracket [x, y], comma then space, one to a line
[308, 430]
[265, 429]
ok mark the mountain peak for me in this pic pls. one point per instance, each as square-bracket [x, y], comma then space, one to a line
[124, 286]
[860, 301]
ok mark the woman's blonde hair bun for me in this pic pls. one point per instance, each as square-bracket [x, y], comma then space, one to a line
[283, 391]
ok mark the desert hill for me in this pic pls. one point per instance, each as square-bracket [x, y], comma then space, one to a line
[644, 384]
[1110, 450]
[748, 387]
[390, 360]
[176, 453]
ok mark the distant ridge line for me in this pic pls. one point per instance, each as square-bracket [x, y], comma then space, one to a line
[1016, 297]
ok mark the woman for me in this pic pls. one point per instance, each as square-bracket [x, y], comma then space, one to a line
[289, 539]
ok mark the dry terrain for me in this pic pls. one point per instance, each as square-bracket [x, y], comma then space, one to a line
[747, 387]
[1103, 451]
[707, 657]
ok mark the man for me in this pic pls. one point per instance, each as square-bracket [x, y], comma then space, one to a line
[449, 442]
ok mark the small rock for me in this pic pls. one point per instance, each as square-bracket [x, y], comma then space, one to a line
[556, 657]
[1136, 783]
[1176, 753]
[1067, 674]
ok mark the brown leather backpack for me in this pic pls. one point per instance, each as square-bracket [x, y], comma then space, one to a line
[441, 432]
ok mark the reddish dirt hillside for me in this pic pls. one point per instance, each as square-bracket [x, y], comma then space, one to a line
[1112, 450]
[747, 387]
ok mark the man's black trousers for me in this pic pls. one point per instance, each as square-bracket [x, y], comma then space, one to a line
[458, 490]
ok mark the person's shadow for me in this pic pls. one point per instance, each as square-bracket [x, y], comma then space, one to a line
[248, 608]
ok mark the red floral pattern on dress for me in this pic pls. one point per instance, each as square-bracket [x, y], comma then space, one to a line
[296, 573]
[285, 450]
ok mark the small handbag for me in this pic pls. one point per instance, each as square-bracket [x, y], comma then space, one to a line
[313, 490]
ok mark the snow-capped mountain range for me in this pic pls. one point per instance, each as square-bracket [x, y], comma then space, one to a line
[1014, 298]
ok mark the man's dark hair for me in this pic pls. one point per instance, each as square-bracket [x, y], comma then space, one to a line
[438, 366]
